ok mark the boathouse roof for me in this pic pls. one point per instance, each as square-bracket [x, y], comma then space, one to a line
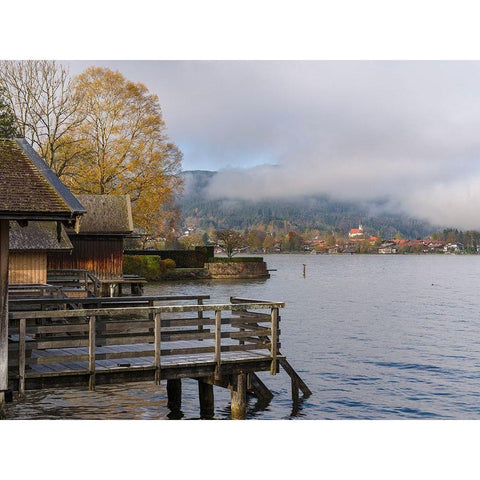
[28, 187]
[106, 215]
[38, 236]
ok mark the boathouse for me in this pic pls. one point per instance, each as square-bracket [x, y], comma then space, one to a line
[98, 244]
[29, 246]
[29, 191]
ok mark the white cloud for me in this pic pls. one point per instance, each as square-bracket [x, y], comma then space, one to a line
[353, 130]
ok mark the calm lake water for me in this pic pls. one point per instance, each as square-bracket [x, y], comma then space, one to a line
[374, 337]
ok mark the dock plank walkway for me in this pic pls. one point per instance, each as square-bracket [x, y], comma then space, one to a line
[167, 361]
[133, 340]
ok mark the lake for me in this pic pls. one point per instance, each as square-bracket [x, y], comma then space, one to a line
[373, 336]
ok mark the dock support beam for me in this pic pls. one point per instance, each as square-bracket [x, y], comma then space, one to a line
[239, 396]
[206, 398]
[4, 225]
[174, 393]
[91, 352]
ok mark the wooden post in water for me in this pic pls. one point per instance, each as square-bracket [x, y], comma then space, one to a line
[21, 356]
[205, 396]
[91, 353]
[200, 316]
[218, 344]
[274, 340]
[174, 393]
[158, 336]
[3, 312]
[238, 391]
[304, 270]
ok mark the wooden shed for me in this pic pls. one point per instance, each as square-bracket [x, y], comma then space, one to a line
[29, 247]
[29, 191]
[99, 242]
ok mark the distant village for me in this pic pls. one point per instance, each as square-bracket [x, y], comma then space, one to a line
[358, 241]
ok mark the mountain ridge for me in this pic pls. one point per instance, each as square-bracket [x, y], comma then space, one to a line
[302, 213]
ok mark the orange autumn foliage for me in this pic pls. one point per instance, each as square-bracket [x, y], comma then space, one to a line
[121, 147]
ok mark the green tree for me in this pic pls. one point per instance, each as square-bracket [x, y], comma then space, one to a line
[7, 118]
[205, 238]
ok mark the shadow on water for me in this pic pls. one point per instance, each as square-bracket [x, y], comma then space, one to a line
[298, 406]
[175, 414]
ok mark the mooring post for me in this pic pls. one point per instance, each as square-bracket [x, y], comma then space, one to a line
[238, 391]
[158, 336]
[200, 316]
[274, 340]
[304, 269]
[21, 356]
[174, 393]
[218, 344]
[206, 398]
[3, 312]
[91, 352]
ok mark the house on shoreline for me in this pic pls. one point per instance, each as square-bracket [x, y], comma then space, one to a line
[98, 243]
[29, 247]
[29, 191]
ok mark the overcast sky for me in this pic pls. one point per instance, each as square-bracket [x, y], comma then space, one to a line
[404, 131]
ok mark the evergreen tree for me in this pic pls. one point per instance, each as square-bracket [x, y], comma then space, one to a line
[7, 119]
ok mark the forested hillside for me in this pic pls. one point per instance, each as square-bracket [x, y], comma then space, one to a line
[281, 215]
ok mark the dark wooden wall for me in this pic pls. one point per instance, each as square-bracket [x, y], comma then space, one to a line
[100, 255]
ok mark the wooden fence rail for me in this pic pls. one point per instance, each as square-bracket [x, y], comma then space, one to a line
[68, 341]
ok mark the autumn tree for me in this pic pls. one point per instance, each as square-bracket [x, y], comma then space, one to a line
[229, 240]
[191, 241]
[122, 148]
[268, 243]
[39, 94]
[255, 239]
[292, 241]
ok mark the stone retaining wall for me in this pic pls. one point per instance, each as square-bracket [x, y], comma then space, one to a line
[237, 270]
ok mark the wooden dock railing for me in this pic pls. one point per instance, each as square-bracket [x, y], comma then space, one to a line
[166, 338]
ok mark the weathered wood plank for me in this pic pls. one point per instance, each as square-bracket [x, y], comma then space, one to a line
[294, 375]
[91, 353]
[158, 337]
[137, 310]
[218, 343]
[21, 357]
[259, 388]
[274, 341]
[107, 300]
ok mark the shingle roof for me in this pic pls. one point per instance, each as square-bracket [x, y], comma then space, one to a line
[38, 236]
[29, 189]
[106, 214]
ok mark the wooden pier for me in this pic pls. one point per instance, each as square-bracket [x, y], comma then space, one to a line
[118, 340]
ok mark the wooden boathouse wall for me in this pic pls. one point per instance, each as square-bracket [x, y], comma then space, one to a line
[101, 255]
[29, 245]
[27, 267]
